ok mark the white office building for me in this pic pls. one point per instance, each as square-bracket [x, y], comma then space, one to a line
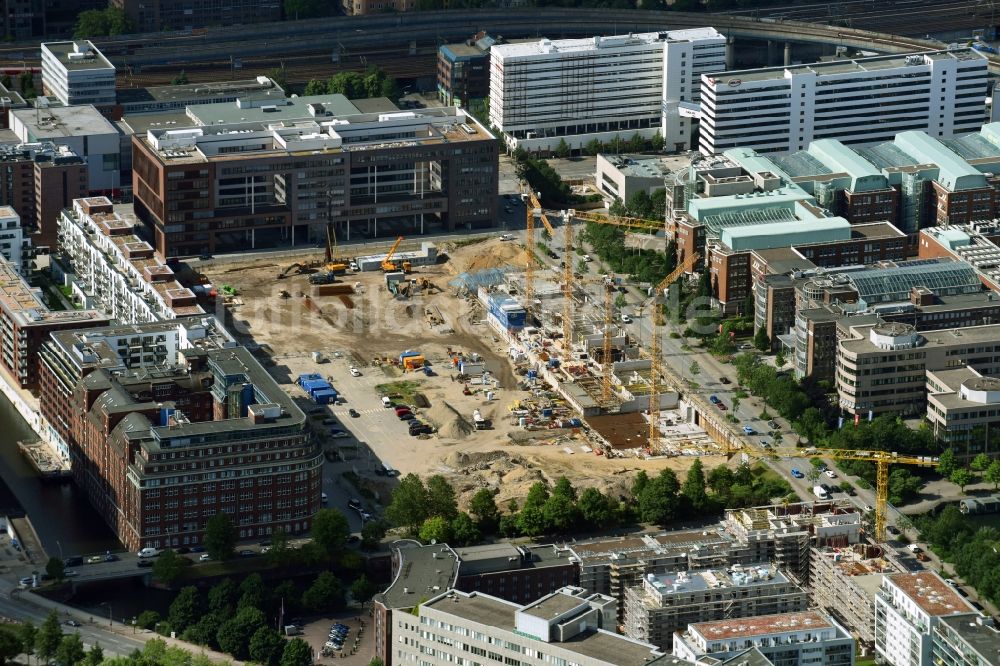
[861, 101]
[908, 607]
[570, 626]
[77, 73]
[601, 88]
[790, 638]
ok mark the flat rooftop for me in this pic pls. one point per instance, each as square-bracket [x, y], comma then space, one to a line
[761, 625]
[550, 607]
[929, 591]
[980, 636]
[24, 303]
[838, 67]
[424, 572]
[252, 88]
[93, 59]
[680, 582]
[555, 46]
[278, 110]
[56, 122]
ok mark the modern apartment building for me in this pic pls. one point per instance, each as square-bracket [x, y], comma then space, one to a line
[860, 101]
[844, 583]
[159, 15]
[77, 73]
[38, 180]
[881, 369]
[159, 450]
[666, 603]
[908, 608]
[268, 183]
[463, 70]
[602, 88]
[570, 626]
[14, 245]
[25, 324]
[960, 641]
[109, 267]
[787, 639]
[84, 131]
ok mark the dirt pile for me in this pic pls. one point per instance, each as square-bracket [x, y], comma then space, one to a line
[449, 421]
[493, 254]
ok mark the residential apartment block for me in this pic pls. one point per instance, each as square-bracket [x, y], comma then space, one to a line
[159, 15]
[77, 73]
[787, 639]
[960, 641]
[579, 90]
[241, 185]
[568, 626]
[109, 267]
[908, 608]
[860, 101]
[14, 245]
[844, 583]
[666, 603]
[963, 410]
[38, 181]
[159, 450]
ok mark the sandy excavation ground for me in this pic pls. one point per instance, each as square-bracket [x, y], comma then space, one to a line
[371, 324]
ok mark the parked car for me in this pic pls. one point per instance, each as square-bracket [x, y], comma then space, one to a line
[355, 372]
[830, 473]
[714, 399]
[892, 529]
[26, 581]
[773, 424]
[796, 473]
[205, 557]
[95, 559]
[724, 380]
[721, 405]
[144, 563]
[354, 266]
[353, 413]
[246, 552]
[148, 552]
[354, 504]
[406, 417]
[748, 430]
[330, 421]
[72, 623]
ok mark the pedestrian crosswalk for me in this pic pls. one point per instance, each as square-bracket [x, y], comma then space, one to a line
[374, 410]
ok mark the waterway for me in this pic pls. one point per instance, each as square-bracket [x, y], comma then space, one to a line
[60, 513]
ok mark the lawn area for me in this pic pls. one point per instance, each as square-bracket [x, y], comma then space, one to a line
[404, 390]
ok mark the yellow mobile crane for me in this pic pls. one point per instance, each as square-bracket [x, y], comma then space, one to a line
[882, 460]
[388, 265]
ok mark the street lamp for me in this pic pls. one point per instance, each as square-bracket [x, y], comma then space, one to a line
[60, 550]
[111, 621]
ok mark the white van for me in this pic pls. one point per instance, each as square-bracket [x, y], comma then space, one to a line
[386, 402]
[148, 552]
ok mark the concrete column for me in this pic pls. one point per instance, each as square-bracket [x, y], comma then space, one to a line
[730, 53]
[788, 54]
[772, 53]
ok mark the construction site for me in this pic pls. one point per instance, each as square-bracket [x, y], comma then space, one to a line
[560, 383]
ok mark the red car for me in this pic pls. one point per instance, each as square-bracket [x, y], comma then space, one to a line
[721, 406]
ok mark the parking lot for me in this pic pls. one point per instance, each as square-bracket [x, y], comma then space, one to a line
[316, 633]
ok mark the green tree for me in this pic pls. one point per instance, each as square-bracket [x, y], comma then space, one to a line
[118, 22]
[779, 359]
[185, 609]
[560, 513]
[251, 592]
[562, 149]
[48, 637]
[761, 340]
[598, 509]
[168, 566]
[266, 645]
[306, 9]
[464, 531]
[330, 530]
[376, 661]
[981, 462]
[441, 498]
[961, 477]
[694, 487]
[363, 589]
[324, 594]
[296, 653]
[315, 87]
[484, 508]
[235, 633]
[280, 76]
[91, 23]
[29, 638]
[70, 651]
[349, 84]
[992, 474]
[435, 529]
[147, 619]
[408, 507]
[657, 502]
[721, 481]
[95, 655]
[220, 537]
[372, 533]
[55, 568]
[947, 463]
[10, 645]
[180, 80]
[222, 596]
[694, 368]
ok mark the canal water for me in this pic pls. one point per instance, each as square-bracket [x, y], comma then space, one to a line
[59, 511]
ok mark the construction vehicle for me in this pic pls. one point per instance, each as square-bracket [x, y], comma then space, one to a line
[297, 267]
[333, 265]
[389, 266]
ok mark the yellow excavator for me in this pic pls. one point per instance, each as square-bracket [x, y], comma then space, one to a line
[390, 266]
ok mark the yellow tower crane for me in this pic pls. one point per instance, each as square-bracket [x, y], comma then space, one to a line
[567, 287]
[882, 460]
[534, 209]
[635, 223]
[654, 349]
[606, 361]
